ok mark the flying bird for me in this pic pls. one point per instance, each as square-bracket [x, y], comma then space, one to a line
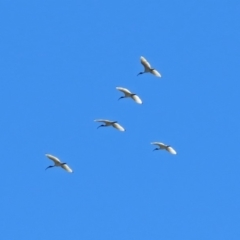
[108, 123]
[127, 94]
[162, 146]
[148, 68]
[58, 163]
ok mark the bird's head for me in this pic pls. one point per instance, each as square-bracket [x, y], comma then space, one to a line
[49, 167]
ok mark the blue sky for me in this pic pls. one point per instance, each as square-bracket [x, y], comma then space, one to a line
[60, 64]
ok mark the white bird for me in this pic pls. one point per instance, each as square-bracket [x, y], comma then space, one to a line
[108, 123]
[148, 68]
[127, 93]
[162, 146]
[58, 163]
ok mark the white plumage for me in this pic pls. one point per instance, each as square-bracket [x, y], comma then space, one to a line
[148, 68]
[129, 94]
[108, 123]
[163, 146]
[58, 163]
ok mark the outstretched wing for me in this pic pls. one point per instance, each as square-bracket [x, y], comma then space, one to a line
[118, 127]
[67, 168]
[124, 90]
[156, 73]
[102, 120]
[161, 145]
[137, 99]
[171, 150]
[145, 63]
[53, 158]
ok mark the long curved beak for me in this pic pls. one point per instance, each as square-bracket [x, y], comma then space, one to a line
[99, 126]
[155, 149]
[120, 98]
[139, 73]
[48, 167]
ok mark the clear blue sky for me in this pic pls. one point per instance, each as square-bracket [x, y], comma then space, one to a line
[60, 62]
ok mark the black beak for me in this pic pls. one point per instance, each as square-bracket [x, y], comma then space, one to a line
[48, 167]
[155, 149]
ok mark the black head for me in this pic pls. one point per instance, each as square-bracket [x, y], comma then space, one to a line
[49, 167]
[100, 126]
[121, 97]
[155, 149]
[140, 73]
